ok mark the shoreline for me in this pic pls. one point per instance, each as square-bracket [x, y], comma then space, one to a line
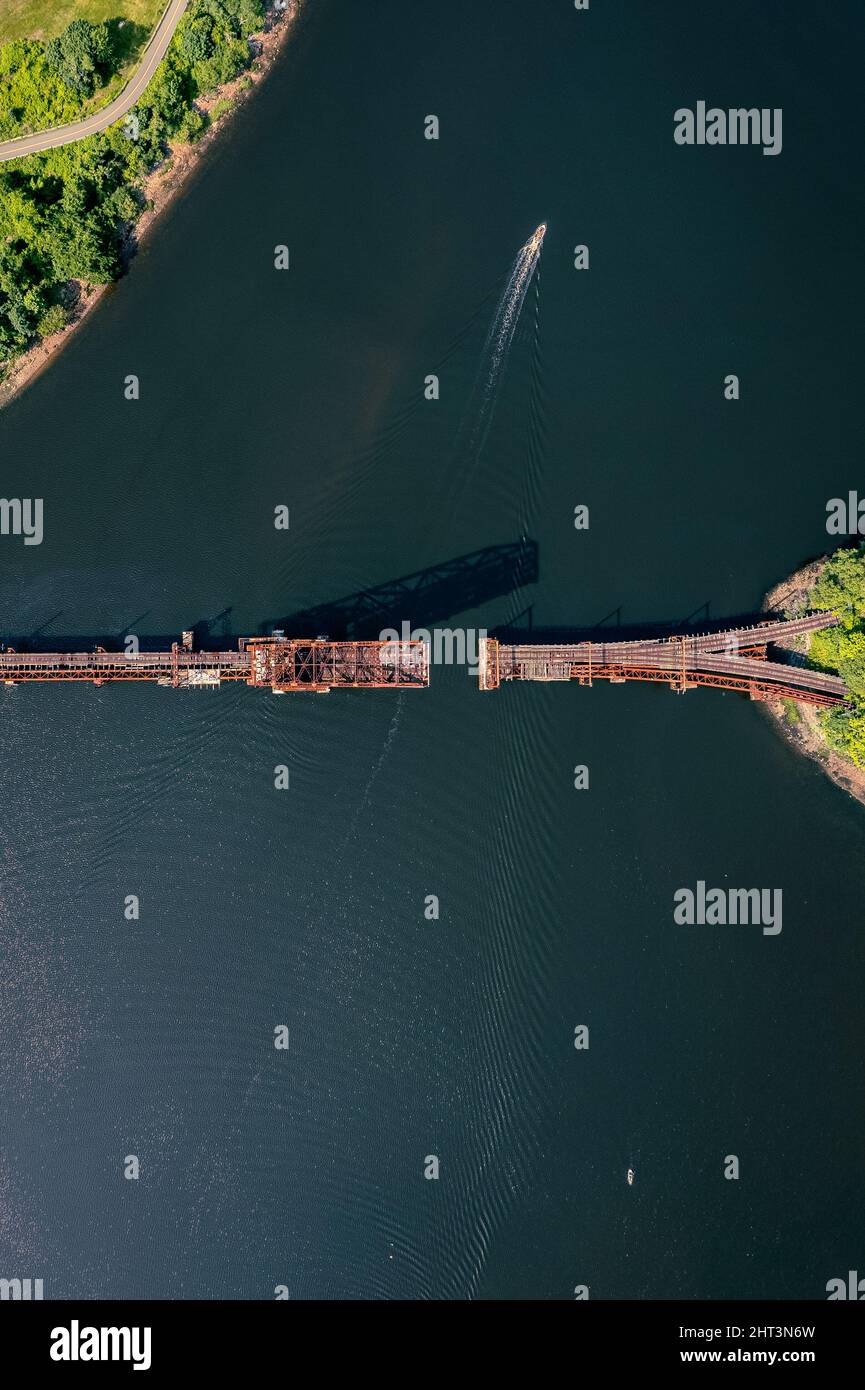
[805, 735]
[160, 189]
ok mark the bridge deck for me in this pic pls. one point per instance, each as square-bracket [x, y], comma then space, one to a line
[118, 666]
[277, 663]
[733, 659]
[728, 659]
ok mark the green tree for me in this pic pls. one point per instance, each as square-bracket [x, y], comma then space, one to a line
[63, 211]
[841, 587]
[51, 321]
[228, 61]
[250, 14]
[196, 43]
[78, 54]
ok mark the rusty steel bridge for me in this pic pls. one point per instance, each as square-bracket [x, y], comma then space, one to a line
[275, 663]
[734, 658]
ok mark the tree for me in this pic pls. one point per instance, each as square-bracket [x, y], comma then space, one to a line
[63, 210]
[228, 61]
[18, 319]
[166, 98]
[196, 43]
[52, 321]
[192, 126]
[841, 586]
[250, 14]
[85, 250]
[78, 54]
[845, 732]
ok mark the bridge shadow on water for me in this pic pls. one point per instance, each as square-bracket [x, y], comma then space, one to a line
[610, 628]
[424, 599]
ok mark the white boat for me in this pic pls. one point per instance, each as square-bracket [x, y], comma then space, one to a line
[630, 1177]
[536, 239]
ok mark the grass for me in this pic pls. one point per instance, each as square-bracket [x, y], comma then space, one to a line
[43, 19]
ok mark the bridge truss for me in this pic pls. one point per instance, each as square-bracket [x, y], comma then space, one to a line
[732, 659]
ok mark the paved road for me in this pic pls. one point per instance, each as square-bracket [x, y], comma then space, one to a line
[102, 119]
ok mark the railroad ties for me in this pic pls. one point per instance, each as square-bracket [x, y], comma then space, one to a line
[732, 659]
[320, 665]
[282, 665]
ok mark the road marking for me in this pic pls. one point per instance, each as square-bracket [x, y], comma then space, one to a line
[155, 51]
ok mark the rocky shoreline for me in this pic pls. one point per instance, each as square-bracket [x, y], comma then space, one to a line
[803, 730]
[159, 189]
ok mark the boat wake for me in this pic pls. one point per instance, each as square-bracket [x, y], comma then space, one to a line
[507, 314]
[499, 339]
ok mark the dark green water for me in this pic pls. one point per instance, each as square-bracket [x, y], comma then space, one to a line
[454, 1038]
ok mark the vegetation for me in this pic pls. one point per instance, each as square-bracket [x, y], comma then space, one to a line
[52, 321]
[65, 214]
[841, 586]
[42, 19]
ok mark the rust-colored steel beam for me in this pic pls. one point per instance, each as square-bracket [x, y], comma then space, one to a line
[320, 665]
[274, 662]
[678, 663]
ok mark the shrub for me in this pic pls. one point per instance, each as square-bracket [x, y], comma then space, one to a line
[52, 321]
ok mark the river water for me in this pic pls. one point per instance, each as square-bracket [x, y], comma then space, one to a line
[452, 1037]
